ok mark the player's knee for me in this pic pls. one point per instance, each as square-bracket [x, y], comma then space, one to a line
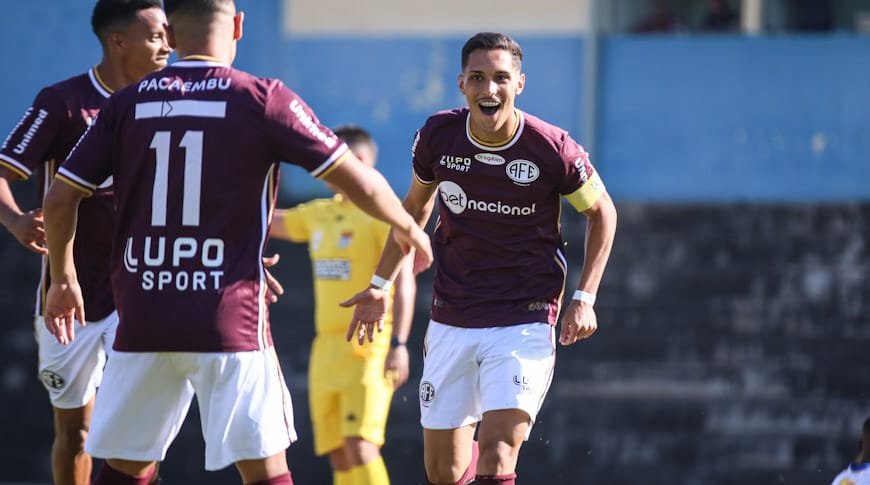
[497, 456]
[443, 472]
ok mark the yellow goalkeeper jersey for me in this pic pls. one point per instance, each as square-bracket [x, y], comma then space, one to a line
[344, 244]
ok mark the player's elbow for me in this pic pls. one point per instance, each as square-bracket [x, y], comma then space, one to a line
[60, 200]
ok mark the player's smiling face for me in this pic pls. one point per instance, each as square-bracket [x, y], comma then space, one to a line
[144, 44]
[491, 81]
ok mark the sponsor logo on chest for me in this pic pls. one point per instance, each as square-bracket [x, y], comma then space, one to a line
[456, 200]
[460, 164]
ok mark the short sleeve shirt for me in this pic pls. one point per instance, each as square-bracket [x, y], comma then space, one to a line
[58, 117]
[345, 245]
[498, 244]
[194, 152]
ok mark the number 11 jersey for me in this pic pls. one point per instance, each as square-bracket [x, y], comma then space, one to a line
[194, 151]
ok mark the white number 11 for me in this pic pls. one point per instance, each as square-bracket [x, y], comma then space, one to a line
[192, 143]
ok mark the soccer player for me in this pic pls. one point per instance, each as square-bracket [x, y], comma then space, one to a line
[133, 41]
[349, 388]
[500, 175]
[194, 152]
[858, 472]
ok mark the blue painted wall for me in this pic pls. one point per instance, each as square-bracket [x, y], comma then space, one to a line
[722, 118]
[681, 118]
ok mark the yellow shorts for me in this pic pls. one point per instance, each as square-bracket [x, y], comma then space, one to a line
[348, 394]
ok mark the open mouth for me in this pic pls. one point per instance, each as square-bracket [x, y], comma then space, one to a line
[489, 107]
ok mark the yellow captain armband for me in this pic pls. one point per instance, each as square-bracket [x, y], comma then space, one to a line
[586, 196]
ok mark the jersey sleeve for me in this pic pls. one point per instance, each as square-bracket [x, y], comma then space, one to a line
[422, 161]
[31, 141]
[581, 186]
[89, 163]
[296, 223]
[297, 136]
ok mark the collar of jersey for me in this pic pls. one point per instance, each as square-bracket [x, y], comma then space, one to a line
[857, 467]
[496, 148]
[199, 61]
[98, 83]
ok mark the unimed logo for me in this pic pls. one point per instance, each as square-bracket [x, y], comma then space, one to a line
[455, 199]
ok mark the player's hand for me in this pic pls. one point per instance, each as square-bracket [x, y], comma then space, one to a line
[63, 306]
[29, 231]
[578, 322]
[370, 308]
[275, 287]
[415, 239]
[396, 366]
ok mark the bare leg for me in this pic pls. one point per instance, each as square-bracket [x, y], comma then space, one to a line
[501, 435]
[70, 465]
[447, 453]
[264, 468]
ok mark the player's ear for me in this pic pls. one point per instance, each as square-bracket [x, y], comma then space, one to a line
[170, 35]
[115, 41]
[461, 81]
[521, 83]
[238, 20]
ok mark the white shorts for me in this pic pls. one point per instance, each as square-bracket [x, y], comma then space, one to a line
[71, 373]
[244, 404]
[469, 371]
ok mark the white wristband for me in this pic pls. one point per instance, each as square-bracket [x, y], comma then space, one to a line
[381, 283]
[584, 296]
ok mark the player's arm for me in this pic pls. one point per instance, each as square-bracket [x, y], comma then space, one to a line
[64, 302]
[404, 295]
[278, 229]
[26, 227]
[371, 192]
[579, 320]
[370, 304]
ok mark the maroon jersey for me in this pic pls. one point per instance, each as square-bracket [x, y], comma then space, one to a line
[194, 152]
[497, 240]
[41, 140]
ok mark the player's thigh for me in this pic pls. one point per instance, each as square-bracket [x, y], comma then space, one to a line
[449, 390]
[71, 373]
[330, 368]
[517, 369]
[245, 406]
[143, 401]
[365, 402]
[324, 404]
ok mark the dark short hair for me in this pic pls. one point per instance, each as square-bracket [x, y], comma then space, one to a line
[194, 6]
[110, 14]
[353, 134]
[492, 41]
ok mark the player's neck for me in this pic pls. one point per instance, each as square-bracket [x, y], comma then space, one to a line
[206, 48]
[111, 75]
[498, 137]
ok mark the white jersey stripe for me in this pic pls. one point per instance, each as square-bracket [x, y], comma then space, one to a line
[329, 161]
[264, 232]
[185, 107]
[99, 87]
[16, 164]
[75, 178]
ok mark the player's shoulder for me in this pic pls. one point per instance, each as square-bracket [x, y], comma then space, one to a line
[444, 118]
[532, 125]
[843, 478]
[71, 86]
